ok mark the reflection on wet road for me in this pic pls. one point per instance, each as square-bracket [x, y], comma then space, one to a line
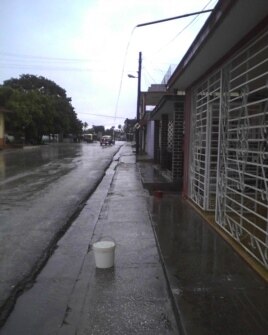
[24, 173]
[40, 190]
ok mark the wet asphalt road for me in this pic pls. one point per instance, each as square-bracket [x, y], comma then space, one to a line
[71, 296]
[41, 189]
[213, 289]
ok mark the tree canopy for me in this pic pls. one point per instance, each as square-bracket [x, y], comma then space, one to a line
[40, 107]
[99, 129]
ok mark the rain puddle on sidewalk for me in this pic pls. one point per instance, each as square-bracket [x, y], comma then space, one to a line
[214, 290]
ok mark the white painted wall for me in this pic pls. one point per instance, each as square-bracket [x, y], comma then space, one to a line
[150, 139]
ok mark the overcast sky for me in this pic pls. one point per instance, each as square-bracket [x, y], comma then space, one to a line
[88, 47]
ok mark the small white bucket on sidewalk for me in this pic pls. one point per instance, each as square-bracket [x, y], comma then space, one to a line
[104, 254]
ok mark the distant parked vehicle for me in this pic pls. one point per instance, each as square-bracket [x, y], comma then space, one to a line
[106, 140]
[88, 138]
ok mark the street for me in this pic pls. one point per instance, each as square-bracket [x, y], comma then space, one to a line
[41, 191]
[173, 274]
[70, 295]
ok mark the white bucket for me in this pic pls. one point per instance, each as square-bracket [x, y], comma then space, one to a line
[104, 254]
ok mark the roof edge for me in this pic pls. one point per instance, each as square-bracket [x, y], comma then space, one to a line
[219, 12]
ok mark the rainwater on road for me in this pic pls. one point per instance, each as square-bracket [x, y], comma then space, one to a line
[41, 189]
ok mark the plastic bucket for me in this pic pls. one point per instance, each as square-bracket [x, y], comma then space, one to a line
[104, 254]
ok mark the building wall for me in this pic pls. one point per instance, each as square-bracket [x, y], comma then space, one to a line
[186, 142]
[150, 139]
[227, 127]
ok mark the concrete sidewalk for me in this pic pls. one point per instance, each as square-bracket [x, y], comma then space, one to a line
[132, 297]
[214, 290]
[72, 297]
[210, 289]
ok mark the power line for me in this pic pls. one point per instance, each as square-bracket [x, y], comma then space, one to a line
[108, 116]
[148, 75]
[43, 63]
[187, 26]
[146, 24]
[46, 68]
[122, 73]
[26, 61]
[30, 57]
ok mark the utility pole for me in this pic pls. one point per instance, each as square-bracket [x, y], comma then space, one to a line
[138, 106]
[140, 61]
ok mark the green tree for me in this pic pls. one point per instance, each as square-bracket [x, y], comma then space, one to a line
[30, 82]
[85, 125]
[39, 107]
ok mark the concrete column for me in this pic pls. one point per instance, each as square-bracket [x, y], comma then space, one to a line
[164, 142]
[186, 142]
[156, 141]
[177, 154]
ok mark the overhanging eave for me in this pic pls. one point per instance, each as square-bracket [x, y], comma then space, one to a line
[228, 24]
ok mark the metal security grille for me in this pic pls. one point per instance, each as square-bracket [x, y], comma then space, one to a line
[170, 135]
[242, 191]
[204, 142]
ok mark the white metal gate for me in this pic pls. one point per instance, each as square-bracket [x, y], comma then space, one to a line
[242, 189]
[229, 147]
[204, 142]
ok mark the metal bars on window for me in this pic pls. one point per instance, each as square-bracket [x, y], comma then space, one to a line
[242, 188]
[170, 135]
[204, 142]
[229, 147]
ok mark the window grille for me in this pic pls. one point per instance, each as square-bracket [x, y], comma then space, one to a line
[204, 142]
[228, 167]
[170, 135]
[242, 188]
